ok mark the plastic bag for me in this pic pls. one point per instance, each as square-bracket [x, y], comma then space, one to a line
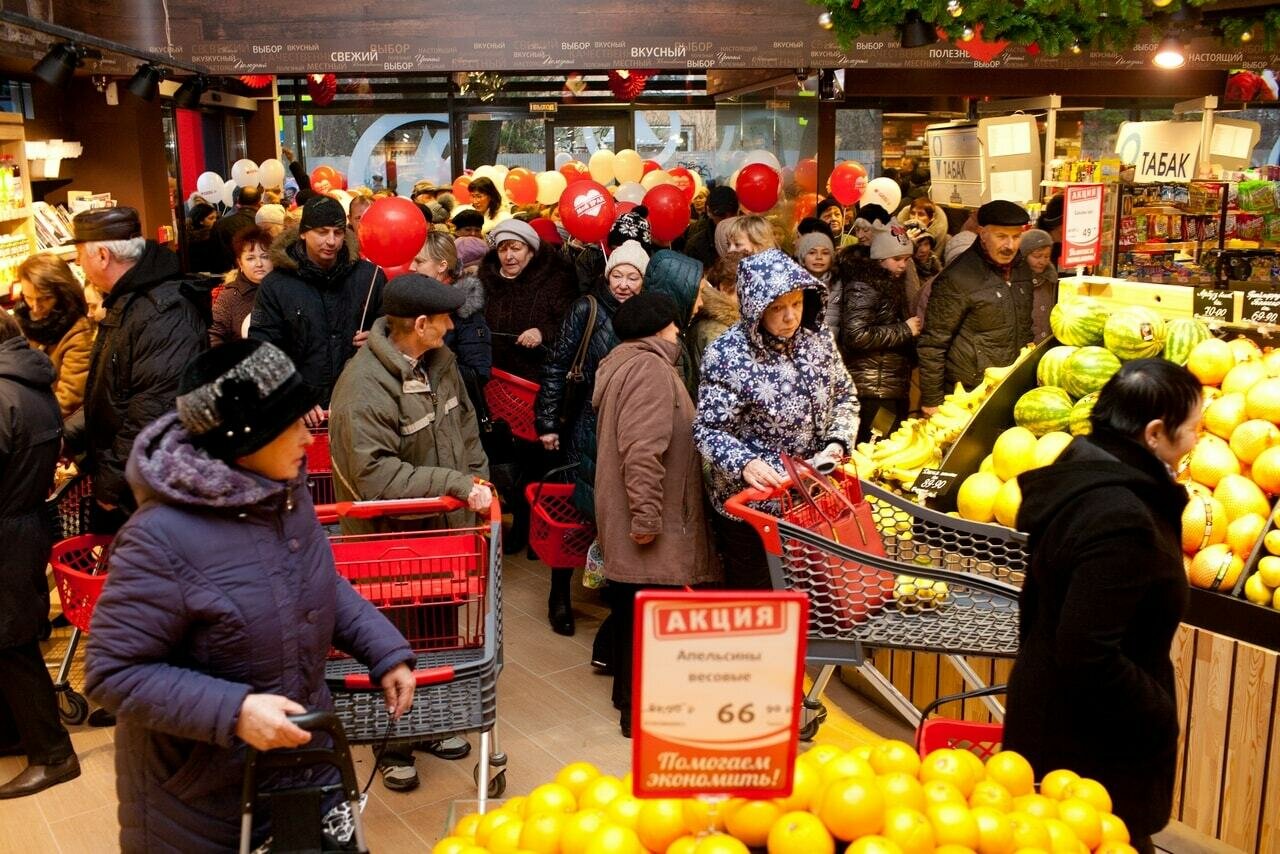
[593, 572]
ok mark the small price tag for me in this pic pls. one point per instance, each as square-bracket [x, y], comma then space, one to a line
[718, 680]
[934, 482]
[1213, 304]
[1262, 307]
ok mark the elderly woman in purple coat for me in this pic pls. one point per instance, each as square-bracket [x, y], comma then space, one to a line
[221, 602]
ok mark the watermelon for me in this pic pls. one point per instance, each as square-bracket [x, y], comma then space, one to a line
[1080, 413]
[1043, 410]
[1049, 371]
[1078, 322]
[1134, 332]
[1181, 336]
[1088, 370]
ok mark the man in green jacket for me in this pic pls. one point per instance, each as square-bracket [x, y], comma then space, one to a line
[402, 426]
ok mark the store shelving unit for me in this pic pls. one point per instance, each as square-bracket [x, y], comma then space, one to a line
[17, 230]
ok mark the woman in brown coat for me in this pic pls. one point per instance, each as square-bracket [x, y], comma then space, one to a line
[53, 315]
[650, 510]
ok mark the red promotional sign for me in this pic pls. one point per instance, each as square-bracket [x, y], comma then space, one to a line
[1082, 226]
[715, 709]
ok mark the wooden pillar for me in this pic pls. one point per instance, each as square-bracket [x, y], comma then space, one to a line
[826, 143]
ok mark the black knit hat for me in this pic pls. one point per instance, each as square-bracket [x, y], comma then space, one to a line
[873, 213]
[468, 218]
[238, 397]
[322, 212]
[722, 201]
[645, 314]
[632, 225]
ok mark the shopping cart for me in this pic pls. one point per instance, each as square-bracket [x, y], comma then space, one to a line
[510, 399]
[443, 590]
[320, 466]
[920, 580]
[80, 571]
[981, 739]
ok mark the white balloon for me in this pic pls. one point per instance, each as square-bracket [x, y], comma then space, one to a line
[765, 157]
[628, 166]
[343, 197]
[228, 193]
[601, 166]
[500, 177]
[486, 171]
[209, 182]
[733, 179]
[737, 160]
[655, 178]
[884, 192]
[550, 187]
[562, 158]
[271, 173]
[632, 191]
[245, 173]
[698, 183]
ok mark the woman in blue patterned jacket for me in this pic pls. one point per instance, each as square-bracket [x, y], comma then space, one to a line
[772, 384]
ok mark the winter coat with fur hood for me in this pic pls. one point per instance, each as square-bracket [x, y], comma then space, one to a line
[718, 313]
[313, 314]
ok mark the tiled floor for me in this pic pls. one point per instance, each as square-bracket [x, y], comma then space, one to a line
[552, 709]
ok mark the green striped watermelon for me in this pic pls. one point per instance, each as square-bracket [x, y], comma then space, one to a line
[1088, 370]
[1043, 410]
[1181, 336]
[1134, 332]
[1080, 413]
[1078, 322]
[1049, 371]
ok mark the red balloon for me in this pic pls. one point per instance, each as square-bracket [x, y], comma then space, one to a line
[758, 187]
[575, 170]
[624, 207]
[324, 173]
[805, 206]
[392, 272]
[392, 231]
[650, 166]
[847, 182]
[807, 175]
[521, 186]
[684, 182]
[668, 212]
[460, 191]
[339, 180]
[587, 210]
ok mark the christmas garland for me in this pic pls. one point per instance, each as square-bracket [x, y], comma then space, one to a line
[1052, 26]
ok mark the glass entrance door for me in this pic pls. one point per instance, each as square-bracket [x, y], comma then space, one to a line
[577, 137]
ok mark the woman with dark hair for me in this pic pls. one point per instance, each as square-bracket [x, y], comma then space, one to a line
[53, 315]
[202, 249]
[1092, 688]
[233, 302]
[487, 201]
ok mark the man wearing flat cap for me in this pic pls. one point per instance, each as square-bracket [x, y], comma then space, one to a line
[150, 332]
[979, 313]
[320, 299]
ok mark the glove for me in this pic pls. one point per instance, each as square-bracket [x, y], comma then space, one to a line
[826, 460]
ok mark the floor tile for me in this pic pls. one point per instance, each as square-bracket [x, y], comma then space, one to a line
[96, 831]
[23, 828]
[532, 704]
[592, 739]
[96, 785]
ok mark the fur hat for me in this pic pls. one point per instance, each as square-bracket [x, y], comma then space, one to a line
[645, 314]
[468, 218]
[470, 250]
[631, 253]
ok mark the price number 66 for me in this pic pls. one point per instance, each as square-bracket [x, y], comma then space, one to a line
[744, 714]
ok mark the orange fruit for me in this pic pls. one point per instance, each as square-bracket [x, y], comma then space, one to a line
[1012, 770]
[953, 849]
[1245, 349]
[873, 845]
[506, 839]
[1224, 415]
[843, 767]
[1091, 792]
[1039, 806]
[490, 822]
[615, 839]
[893, 755]
[1083, 819]
[1113, 827]
[863, 751]
[579, 828]
[599, 792]
[473, 849]
[821, 754]
[1204, 522]
[701, 816]
[451, 845]
[1215, 568]
[1243, 533]
[900, 789]
[851, 808]
[1252, 438]
[1115, 848]
[749, 820]
[1061, 839]
[974, 763]
[1262, 400]
[624, 810]
[720, 843]
[800, 832]
[995, 831]
[467, 825]
[941, 792]
[683, 845]
[661, 822]
[910, 829]
[1210, 360]
[541, 832]
[989, 793]
[804, 785]
[1244, 376]
[1266, 470]
[950, 767]
[1055, 783]
[1271, 360]
[1239, 496]
[953, 824]
[576, 775]
[1029, 831]
[550, 797]
[1211, 460]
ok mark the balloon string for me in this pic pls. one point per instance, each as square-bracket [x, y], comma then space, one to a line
[369, 296]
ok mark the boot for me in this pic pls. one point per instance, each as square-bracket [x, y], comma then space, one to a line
[37, 778]
[559, 606]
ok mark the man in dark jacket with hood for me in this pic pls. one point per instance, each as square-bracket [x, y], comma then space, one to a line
[150, 332]
[320, 299]
[979, 313]
[30, 429]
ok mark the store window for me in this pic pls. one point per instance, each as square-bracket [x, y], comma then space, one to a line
[675, 137]
[377, 151]
[507, 140]
[859, 137]
[785, 124]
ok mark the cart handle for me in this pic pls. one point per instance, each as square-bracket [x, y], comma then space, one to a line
[766, 526]
[364, 682]
[330, 513]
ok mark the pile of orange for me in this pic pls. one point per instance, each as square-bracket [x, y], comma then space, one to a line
[1233, 472]
[871, 800]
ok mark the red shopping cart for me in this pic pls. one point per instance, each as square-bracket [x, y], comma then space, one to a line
[80, 571]
[443, 589]
[981, 739]
[320, 466]
[510, 399]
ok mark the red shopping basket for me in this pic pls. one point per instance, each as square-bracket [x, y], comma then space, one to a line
[981, 739]
[320, 466]
[80, 571]
[558, 532]
[510, 399]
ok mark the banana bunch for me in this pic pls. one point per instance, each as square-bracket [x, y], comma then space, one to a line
[956, 411]
[900, 456]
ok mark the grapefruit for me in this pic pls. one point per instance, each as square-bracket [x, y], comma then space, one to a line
[1244, 350]
[1252, 438]
[1243, 534]
[1262, 400]
[1014, 452]
[976, 500]
[1210, 361]
[1240, 496]
[1211, 460]
[1214, 568]
[1266, 470]
[1225, 414]
[1008, 500]
[1244, 376]
[1204, 522]
[1272, 362]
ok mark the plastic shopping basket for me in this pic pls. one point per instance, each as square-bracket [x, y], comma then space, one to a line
[510, 399]
[981, 739]
[559, 533]
[80, 571]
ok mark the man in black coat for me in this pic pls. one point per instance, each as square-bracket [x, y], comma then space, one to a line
[318, 303]
[722, 203]
[979, 313]
[225, 229]
[152, 329]
[30, 433]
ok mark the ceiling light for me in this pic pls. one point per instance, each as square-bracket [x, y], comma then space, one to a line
[188, 94]
[1169, 54]
[59, 64]
[1077, 48]
[916, 33]
[145, 82]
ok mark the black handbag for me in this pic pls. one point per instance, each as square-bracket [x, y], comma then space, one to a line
[575, 381]
[495, 435]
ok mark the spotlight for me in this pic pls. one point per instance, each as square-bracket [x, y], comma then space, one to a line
[188, 94]
[145, 82]
[824, 21]
[955, 8]
[1169, 54]
[1160, 4]
[59, 64]
[917, 33]
[1246, 37]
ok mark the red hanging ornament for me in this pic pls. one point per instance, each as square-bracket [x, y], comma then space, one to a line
[856, 4]
[1033, 50]
[322, 88]
[256, 81]
[627, 85]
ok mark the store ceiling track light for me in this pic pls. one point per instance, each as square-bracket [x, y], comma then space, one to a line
[60, 63]
[917, 33]
[188, 94]
[145, 82]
